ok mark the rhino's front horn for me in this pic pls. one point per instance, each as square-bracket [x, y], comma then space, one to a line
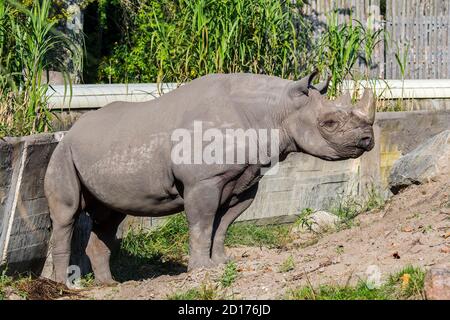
[366, 106]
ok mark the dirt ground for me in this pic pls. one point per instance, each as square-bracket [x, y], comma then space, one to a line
[412, 229]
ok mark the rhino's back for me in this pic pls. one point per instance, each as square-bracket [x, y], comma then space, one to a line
[122, 151]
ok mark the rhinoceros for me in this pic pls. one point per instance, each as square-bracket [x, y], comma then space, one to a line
[118, 160]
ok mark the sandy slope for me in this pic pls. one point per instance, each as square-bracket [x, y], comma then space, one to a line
[410, 229]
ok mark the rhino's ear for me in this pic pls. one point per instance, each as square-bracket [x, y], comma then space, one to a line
[322, 87]
[301, 87]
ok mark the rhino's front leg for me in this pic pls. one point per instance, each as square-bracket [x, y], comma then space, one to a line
[201, 203]
[228, 215]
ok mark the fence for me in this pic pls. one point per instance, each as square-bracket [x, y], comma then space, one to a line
[421, 28]
[365, 11]
[417, 36]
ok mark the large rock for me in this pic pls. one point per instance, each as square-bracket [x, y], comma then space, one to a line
[423, 164]
[437, 284]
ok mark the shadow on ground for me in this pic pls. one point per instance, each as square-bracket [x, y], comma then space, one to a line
[126, 267]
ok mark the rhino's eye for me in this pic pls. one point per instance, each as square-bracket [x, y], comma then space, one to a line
[329, 124]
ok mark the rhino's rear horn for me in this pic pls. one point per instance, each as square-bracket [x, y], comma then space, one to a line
[366, 106]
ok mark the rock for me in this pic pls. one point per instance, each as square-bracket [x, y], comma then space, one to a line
[319, 221]
[423, 164]
[437, 284]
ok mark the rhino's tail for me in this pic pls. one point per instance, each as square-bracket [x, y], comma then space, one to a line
[63, 192]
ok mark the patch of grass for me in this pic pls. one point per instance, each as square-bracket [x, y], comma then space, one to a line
[348, 207]
[206, 291]
[340, 249]
[360, 292]
[168, 242]
[287, 265]
[148, 253]
[30, 44]
[229, 274]
[87, 280]
[5, 282]
[249, 234]
[16, 284]
[191, 294]
[304, 220]
[374, 200]
[405, 284]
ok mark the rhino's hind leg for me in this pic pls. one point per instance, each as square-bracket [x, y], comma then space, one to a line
[227, 217]
[101, 243]
[200, 215]
[62, 189]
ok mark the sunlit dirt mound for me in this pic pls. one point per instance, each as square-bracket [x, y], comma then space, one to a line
[411, 229]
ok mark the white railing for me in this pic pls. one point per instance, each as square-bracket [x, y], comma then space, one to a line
[93, 96]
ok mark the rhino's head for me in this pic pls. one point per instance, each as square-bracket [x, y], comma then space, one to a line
[331, 130]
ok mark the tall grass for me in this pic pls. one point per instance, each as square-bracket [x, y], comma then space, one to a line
[178, 41]
[344, 44]
[29, 42]
[167, 41]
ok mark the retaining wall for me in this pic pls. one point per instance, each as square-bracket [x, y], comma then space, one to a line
[24, 219]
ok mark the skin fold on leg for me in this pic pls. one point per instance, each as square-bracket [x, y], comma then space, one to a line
[226, 218]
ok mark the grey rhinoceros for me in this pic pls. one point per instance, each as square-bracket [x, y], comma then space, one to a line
[118, 160]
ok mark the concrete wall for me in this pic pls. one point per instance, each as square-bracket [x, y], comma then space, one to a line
[302, 182]
[24, 219]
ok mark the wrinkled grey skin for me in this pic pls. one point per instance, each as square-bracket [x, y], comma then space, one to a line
[117, 160]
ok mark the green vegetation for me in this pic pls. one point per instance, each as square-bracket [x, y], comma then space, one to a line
[30, 45]
[11, 284]
[5, 281]
[406, 284]
[87, 280]
[167, 242]
[210, 290]
[170, 241]
[206, 291]
[359, 292]
[304, 219]
[229, 274]
[341, 46]
[347, 207]
[287, 265]
[168, 41]
[250, 234]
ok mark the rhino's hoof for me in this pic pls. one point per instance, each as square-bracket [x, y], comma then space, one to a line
[222, 259]
[105, 282]
[201, 263]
